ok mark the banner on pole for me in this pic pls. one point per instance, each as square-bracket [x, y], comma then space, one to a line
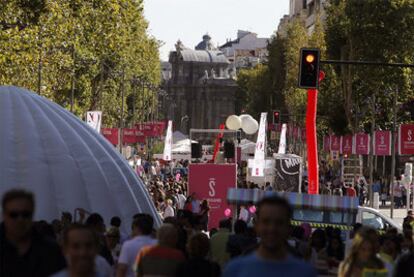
[167, 156]
[282, 142]
[406, 139]
[259, 153]
[94, 120]
[210, 182]
[327, 143]
[335, 143]
[382, 143]
[361, 146]
[347, 144]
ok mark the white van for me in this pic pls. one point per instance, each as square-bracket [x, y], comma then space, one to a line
[373, 218]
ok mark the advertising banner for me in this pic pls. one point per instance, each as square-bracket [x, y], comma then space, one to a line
[406, 139]
[382, 143]
[361, 146]
[335, 142]
[94, 120]
[128, 136]
[287, 172]
[152, 129]
[303, 134]
[140, 137]
[210, 182]
[327, 143]
[347, 143]
[111, 134]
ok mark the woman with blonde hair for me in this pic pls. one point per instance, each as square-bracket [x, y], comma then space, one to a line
[362, 257]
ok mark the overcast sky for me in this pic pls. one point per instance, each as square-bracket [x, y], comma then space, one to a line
[189, 20]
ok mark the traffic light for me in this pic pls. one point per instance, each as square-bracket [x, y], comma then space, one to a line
[309, 68]
[276, 117]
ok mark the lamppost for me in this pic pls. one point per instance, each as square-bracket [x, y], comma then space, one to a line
[184, 118]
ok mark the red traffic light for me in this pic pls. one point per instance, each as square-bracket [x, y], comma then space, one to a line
[276, 116]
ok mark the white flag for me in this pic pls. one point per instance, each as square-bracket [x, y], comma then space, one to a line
[282, 143]
[168, 143]
[259, 153]
[94, 120]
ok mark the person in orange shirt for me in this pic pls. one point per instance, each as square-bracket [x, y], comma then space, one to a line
[162, 259]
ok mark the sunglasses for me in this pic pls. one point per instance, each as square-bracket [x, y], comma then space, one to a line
[22, 214]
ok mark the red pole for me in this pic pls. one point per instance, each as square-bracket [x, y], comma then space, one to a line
[217, 144]
[311, 140]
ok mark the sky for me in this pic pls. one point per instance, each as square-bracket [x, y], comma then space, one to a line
[189, 20]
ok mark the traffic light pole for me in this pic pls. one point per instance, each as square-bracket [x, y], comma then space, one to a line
[311, 139]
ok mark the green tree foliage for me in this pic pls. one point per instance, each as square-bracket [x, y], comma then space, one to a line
[103, 44]
[381, 31]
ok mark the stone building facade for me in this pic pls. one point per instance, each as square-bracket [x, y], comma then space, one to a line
[201, 90]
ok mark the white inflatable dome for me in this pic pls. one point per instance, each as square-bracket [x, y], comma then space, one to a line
[66, 164]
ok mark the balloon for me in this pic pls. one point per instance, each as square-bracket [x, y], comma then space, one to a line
[250, 126]
[227, 212]
[252, 209]
[233, 122]
[244, 118]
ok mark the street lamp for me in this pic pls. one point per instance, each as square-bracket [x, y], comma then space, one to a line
[184, 118]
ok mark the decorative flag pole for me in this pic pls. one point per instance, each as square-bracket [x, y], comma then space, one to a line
[313, 173]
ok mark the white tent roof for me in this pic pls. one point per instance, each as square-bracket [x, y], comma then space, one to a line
[49, 151]
[177, 136]
[182, 146]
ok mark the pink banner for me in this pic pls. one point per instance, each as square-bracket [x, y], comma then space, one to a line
[303, 134]
[406, 139]
[347, 143]
[335, 143]
[361, 144]
[382, 143]
[111, 134]
[210, 182]
[128, 136]
[326, 143]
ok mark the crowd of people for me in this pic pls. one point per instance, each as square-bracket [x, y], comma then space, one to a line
[261, 242]
[182, 247]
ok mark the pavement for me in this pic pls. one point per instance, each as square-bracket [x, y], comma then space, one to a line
[398, 215]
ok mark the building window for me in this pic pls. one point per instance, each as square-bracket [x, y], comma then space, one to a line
[304, 4]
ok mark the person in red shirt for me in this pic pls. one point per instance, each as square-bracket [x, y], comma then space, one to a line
[350, 191]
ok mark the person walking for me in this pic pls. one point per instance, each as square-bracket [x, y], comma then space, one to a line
[162, 259]
[141, 229]
[24, 251]
[272, 257]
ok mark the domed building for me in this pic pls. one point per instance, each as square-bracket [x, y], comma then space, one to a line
[201, 90]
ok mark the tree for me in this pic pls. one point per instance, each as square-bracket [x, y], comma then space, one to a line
[99, 46]
[381, 31]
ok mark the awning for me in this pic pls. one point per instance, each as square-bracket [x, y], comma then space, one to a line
[297, 200]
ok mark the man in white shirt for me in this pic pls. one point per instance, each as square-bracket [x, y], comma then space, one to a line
[181, 200]
[142, 229]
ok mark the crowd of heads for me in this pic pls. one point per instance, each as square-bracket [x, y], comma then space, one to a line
[88, 244]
